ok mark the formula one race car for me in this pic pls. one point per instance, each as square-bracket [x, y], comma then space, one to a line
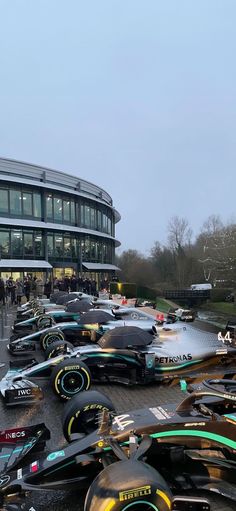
[141, 460]
[77, 332]
[178, 314]
[127, 355]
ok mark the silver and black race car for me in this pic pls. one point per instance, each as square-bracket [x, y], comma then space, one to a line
[126, 355]
[77, 332]
[143, 460]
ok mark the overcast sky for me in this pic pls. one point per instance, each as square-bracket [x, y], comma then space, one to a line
[137, 96]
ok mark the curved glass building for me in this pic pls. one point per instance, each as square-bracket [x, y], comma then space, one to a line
[51, 221]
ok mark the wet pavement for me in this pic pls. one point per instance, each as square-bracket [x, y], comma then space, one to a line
[50, 410]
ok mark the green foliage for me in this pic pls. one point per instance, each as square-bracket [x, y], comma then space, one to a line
[131, 290]
[220, 307]
[162, 304]
[219, 294]
[146, 292]
[127, 289]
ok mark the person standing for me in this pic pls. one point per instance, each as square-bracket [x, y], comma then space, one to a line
[47, 288]
[27, 289]
[2, 291]
[19, 291]
[39, 288]
[73, 283]
[34, 287]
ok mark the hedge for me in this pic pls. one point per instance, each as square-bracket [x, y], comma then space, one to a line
[219, 294]
[131, 290]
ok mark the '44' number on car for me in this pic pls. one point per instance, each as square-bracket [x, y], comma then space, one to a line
[225, 337]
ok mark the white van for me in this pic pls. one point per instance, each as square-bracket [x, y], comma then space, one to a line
[201, 287]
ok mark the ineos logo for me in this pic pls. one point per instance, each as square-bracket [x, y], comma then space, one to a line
[4, 480]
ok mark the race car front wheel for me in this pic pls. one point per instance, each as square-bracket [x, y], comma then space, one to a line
[44, 321]
[70, 377]
[57, 348]
[49, 337]
[128, 486]
[81, 414]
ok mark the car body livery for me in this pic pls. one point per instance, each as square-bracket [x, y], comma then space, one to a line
[141, 460]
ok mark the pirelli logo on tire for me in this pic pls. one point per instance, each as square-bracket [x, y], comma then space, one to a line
[142, 491]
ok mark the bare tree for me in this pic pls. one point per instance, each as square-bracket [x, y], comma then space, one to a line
[218, 250]
[179, 233]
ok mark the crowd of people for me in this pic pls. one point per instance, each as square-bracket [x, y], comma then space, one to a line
[13, 291]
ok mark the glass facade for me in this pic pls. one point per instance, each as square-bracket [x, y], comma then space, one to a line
[55, 245]
[21, 243]
[55, 208]
[17, 202]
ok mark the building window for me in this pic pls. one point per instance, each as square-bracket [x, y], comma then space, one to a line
[67, 246]
[28, 244]
[66, 211]
[74, 251]
[49, 207]
[81, 222]
[4, 244]
[37, 205]
[72, 210]
[93, 223]
[87, 216]
[4, 206]
[99, 220]
[104, 222]
[38, 244]
[50, 244]
[93, 251]
[109, 226]
[15, 202]
[57, 204]
[27, 204]
[58, 245]
[16, 243]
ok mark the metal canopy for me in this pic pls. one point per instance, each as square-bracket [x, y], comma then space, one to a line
[100, 266]
[24, 263]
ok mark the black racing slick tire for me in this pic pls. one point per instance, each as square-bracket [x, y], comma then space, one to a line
[49, 337]
[81, 414]
[70, 377]
[44, 321]
[57, 348]
[128, 486]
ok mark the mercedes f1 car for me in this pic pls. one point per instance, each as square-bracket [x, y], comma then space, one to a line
[127, 355]
[178, 314]
[141, 460]
[95, 321]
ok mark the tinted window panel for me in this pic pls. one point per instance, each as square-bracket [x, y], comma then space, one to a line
[37, 205]
[27, 204]
[4, 243]
[15, 202]
[28, 244]
[57, 203]
[66, 211]
[38, 245]
[3, 201]
[16, 243]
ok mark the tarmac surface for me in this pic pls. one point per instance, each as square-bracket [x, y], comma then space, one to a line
[50, 410]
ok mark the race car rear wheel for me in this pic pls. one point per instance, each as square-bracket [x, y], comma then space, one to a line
[81, 413]
[57, 348]
[128, 486]
[49, 337]
[70, 377]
